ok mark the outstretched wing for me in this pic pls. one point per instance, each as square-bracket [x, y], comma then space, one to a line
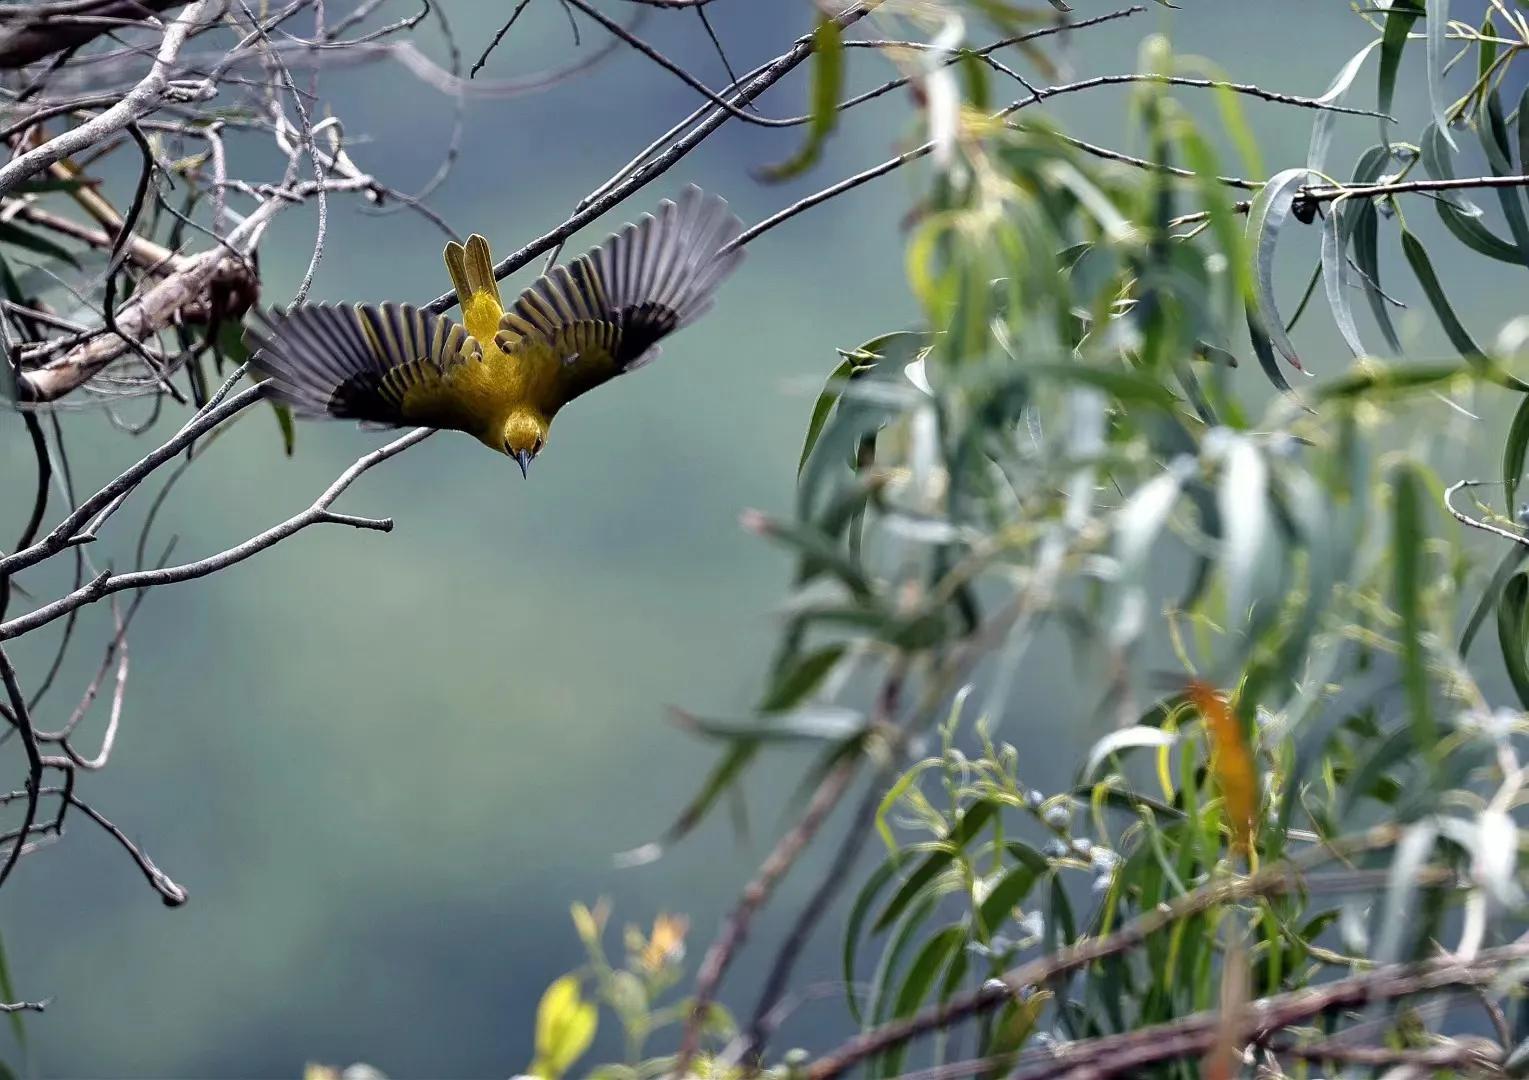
[391, 364]
[604, 313]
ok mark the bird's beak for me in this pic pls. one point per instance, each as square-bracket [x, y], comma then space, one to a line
[523, 459]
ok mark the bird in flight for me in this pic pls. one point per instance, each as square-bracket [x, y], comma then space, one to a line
[503, 373]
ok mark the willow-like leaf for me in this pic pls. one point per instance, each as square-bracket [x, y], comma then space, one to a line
[1268, 214]
[827, 87]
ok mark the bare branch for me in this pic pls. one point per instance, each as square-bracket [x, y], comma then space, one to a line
[142, 99]
[317, 513]
[40, 33]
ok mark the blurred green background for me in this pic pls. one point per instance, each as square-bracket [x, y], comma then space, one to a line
[384, 766]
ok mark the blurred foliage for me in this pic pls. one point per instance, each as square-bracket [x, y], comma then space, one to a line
[1300, 773]
[1261, 598]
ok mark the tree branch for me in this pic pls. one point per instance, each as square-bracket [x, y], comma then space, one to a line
[142, 99]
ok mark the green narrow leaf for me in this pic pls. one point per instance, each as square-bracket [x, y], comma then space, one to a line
[1494, 140]
[1461, 216]
[1399, 20]
[1522, 126]
[882, 359]
[965, 829]
[1265, 353]
[1512, 632]
[823, 723]
[878, 994]
[1322, 128]
[9, 390]
[1437, 25]
[827, 86]
[719, 780]
[8, 282]
[824, 405]
[1014, 886]
[1513, 457]
[1125, 385]
[1486, 51]
[1016, 1022]
[284, 422]
[1376, 380]
[857, 913]
[801, 679]
[8, 988]
[1454, 329]
[1224, 223]
[38, 184]
[16, 236]
[1372, 779]
[1484, 604]
[926, 965]
[1367, 259]
[1267, 215]
[1408, 539]
[1336, 230]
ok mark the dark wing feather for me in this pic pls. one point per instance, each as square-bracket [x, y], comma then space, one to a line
[605, 313]
[390, 364]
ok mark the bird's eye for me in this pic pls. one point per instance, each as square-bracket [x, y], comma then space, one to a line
[536, 448]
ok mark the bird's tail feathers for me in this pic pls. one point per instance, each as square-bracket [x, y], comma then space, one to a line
[472, 269]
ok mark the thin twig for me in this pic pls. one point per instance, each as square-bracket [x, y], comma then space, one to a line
[1466, 519]
[143, 98]
[317, 513]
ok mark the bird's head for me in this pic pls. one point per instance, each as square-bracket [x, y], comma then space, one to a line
[525, 433]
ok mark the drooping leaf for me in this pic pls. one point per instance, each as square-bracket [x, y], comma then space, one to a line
[902, 939]
[1515, 554]
[1436, 29]
[16, 236]
[927, 964]
[827, 87]
[1336, 231]
[801, 678]
[284, 422]
[1322, 127]
[1454, 329]
[1499, 153]
[824, 405]
[1366, 241]
[1461, 216]
[8, 988]
[1513, 633]
[717, 782]
[1513, 456]
[1399, 20]
[1264, 350]
[1266, 217]
[852, 928]
[1408, 537]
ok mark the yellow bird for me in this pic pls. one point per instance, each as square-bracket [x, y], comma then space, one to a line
[504, 374]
